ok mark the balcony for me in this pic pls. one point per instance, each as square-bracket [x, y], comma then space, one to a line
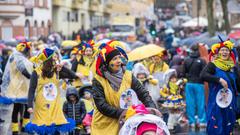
[11, 11]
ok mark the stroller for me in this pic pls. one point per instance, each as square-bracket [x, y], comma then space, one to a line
[140, 120]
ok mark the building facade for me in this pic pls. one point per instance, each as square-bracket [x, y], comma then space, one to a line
[28, 18]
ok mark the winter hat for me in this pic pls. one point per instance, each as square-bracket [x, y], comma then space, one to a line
[45, 55]
[145, 126]
[139, 68]
[216, 47]
[22, 46]
[106, 53]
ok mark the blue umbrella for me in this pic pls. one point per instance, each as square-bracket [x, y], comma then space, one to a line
[187, 41]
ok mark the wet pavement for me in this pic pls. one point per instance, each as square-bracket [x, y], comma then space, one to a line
[185, 130]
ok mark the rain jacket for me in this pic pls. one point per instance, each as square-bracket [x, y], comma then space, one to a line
[193, 66]
[75, 111]
[15, 80]
[152, 88]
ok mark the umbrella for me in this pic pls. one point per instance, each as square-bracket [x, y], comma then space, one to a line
[169, 30]
[236, 26]
[136, 44]
[234, 35]
[2, 46]
[187, 41]
[214, 40]
[11, 43]
[69, 44]
[194, 22]
[145, 52]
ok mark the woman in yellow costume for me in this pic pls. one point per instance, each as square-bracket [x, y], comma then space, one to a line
[157, 67]
[114, 90]
[15, 83]
[48, 117]
[82, 63]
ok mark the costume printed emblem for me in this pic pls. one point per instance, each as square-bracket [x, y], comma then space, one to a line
[224, 98]
[49, 91]
[128, 98]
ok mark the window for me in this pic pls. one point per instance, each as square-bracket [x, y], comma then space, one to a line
[68, 16]
[9, 1]
[45, 4]
[7, 33]
[122, 28]
[35, 29]
[42, 28]
[40, 3]
[76, 17]
[27, 29]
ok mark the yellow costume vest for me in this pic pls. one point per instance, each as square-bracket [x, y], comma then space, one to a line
[88, 105]
[19, 85]
[101, 124]
[153, 68]
[85, 70]
[48, 105]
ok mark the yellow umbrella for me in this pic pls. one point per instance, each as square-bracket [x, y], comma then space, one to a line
[145, 52]
[69, 43]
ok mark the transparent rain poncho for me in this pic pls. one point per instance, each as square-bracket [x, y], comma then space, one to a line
[139, 68]
[130, 126]
[14, 84]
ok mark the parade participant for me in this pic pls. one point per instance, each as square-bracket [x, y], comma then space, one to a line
[74, 108]
[194, 89]
[114, 90]
[1, 121]
[85, 92]
[15, 83]
[238, 70]
[173, 101]
[157, 67]
[82, 64]
[142, 74]
[44, 93]
[157, 64]
[222, 78]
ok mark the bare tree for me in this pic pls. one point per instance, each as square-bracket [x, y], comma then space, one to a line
[225, 15]
[211, 22]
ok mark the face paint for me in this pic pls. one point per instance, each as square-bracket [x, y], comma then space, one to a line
[116, 63]
[124, 61]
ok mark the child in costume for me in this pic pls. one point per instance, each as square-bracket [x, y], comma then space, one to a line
[151, 84]
[223, 81]
[74, 108]
[139, 120]
[85, 93]
[15, 83]
[44, 93]
[173, 99]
